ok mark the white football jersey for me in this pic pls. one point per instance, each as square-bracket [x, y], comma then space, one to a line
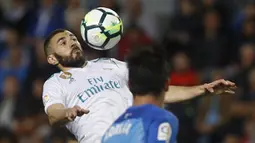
[101, 87]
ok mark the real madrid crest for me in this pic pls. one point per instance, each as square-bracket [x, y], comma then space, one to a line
[66, 75]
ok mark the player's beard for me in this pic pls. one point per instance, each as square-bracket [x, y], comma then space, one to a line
[72, 61]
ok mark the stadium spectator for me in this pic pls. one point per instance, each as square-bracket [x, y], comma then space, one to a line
[183, 75]
[49, 16]
[213, 114]
[210, 45]
[14, 58]
[184, 28]
[246, 63]
[8, 106]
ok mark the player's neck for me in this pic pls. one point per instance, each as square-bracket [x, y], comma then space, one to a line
[147, 99]
[64, 69]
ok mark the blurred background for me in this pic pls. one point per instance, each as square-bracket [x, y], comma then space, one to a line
[205, 39]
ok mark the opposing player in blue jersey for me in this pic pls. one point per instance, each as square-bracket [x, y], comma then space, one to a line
[145, 121]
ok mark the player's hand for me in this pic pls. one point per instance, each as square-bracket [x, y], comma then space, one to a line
[220, 86]
[72, 113]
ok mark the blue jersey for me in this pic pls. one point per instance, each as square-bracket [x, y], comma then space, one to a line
[143, 124]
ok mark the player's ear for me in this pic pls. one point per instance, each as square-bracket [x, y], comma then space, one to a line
[167, 84]
[52, 60]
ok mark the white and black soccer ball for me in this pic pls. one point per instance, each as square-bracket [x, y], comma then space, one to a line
[101, 28]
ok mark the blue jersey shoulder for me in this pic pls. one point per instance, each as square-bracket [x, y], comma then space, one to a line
[149, 113]
[142, 124]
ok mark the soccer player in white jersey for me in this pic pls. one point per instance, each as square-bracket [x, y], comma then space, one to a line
[97, 88]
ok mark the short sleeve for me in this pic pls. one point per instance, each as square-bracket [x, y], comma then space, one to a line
[125, 72]
[124, 69]
[52, 93]
[160, 132]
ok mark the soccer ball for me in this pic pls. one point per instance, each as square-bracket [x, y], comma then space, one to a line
[101, 28]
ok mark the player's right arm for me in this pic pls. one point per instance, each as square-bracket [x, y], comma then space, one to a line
[59, 115]
[53, 97]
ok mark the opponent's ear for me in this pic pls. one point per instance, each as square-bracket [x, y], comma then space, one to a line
[52, 60]
[167, 84]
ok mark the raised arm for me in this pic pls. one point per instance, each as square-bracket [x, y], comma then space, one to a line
[180, 93]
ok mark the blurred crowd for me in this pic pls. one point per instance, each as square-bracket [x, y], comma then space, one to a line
[205, 40]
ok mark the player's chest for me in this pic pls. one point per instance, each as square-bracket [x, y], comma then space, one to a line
[79, 79]
[86, 85]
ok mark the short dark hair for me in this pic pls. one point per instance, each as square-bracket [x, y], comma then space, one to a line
[48, 39]
[148, 70]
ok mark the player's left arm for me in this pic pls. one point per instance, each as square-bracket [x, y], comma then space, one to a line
[181, 93]
[162, 132]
